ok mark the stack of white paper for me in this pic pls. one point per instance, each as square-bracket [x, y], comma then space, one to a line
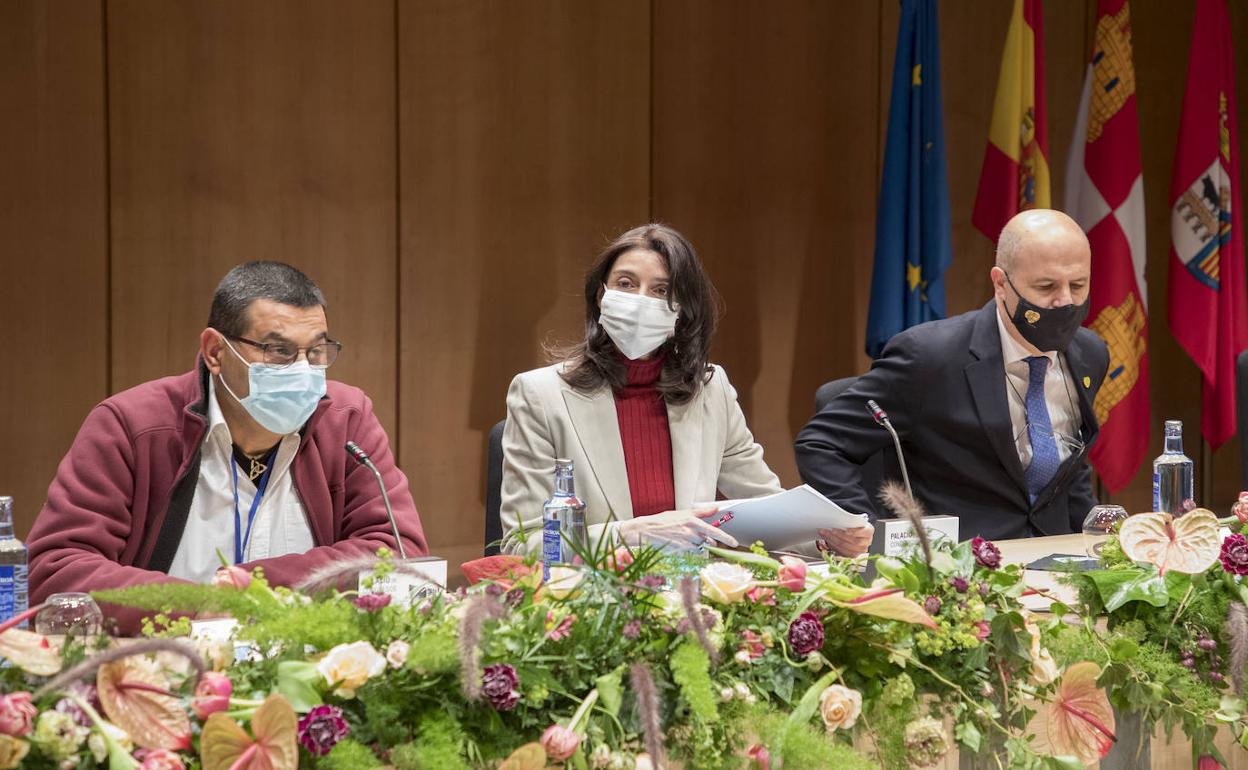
[784, 520]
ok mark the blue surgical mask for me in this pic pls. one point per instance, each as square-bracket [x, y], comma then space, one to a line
[280, 399]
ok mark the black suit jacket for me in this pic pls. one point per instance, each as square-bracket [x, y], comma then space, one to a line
[943, 385]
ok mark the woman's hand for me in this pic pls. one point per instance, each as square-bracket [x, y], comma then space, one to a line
[680, 529]
[846, 542]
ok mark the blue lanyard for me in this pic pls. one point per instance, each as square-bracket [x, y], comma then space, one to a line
[240, 539]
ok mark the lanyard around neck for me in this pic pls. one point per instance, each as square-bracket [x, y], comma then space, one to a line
[241, 538]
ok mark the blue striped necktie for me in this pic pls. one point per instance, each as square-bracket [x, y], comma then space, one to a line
[1044, 457]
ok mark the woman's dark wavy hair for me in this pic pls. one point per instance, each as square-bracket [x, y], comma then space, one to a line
[594, 361]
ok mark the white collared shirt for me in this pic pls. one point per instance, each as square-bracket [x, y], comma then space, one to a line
[1059, 396]
[280, 527]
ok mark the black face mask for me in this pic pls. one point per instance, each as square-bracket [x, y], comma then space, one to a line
[1047, 328]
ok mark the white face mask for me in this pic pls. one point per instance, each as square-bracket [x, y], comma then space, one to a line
[635, 323]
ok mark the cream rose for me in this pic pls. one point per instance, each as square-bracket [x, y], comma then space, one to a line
[726, 583]
[396, 653]
[839, 706]
[349, 666]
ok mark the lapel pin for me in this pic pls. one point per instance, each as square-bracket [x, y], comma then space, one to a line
[1087, 381]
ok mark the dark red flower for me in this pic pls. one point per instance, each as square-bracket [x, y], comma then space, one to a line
[501, 685]
[806, 633]
[987, 554]
[371, 602]
[321, 729]
[1234, 554]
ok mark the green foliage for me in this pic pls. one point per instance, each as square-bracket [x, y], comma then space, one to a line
[349, 755]
[691, 670]
[437, 747]
[888, 717]
[972, 668]
[799, 745]
[184, 597]
[437, 653]
[322, 625]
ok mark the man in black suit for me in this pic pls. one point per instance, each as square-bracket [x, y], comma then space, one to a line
[993, 407]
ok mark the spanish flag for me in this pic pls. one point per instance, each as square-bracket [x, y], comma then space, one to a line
[1015, 176]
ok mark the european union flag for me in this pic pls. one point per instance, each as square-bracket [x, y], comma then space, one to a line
[912, 244]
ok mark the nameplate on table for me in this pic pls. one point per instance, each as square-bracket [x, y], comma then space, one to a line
[411, 580]
[896, 537]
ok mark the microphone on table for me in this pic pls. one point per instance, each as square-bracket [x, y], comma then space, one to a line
[361, 457]
[881, 418]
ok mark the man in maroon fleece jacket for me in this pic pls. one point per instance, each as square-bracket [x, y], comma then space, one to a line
[244, 456]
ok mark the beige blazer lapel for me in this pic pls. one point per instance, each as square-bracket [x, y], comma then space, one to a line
[685, 423]
[598, 430]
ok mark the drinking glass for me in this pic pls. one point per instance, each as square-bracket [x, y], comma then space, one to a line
[68, 614]
[1100, 521]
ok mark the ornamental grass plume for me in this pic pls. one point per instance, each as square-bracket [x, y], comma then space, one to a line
[1237, 631]
[479, 609]
[648, 709]
[145, 647]
[689, 595]
[903, 505]
[333, 573]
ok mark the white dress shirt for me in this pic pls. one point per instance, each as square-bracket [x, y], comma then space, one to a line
[280, 526]
[1059, 396]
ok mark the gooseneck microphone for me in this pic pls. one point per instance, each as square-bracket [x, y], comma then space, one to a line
[881, 418]
[361, 457]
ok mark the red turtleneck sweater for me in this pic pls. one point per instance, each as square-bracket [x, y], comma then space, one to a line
[646, 437]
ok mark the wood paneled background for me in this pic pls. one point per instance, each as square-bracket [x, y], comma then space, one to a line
[446, 169]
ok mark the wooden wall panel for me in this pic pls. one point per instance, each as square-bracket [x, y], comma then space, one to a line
[53, 238]
[242, 131]
[765, 156]
[446, 170]
[525, 146]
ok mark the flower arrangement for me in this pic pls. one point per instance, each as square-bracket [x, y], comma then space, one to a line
[1175, 643]
[631, 660]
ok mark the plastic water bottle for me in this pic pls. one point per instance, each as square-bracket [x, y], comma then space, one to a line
[563, 519]
[14, 585]
[1173, 475]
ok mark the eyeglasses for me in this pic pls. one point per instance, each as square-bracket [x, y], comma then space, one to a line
[281, 354]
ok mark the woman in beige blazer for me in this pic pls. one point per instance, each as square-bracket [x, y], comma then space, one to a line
[611, 403]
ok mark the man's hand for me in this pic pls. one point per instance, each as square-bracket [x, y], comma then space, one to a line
[681, 529]
[846, 542]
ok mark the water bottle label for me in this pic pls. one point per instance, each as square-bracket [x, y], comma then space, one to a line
[12, 591]
[1156, 491]
[552, 545]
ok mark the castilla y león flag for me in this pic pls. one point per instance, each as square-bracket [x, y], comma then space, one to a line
[1207, 310]
[1105, 195]
[1015, 175]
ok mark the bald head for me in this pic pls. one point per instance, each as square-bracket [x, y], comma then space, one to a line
[1039, 232]
[1044, 257]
